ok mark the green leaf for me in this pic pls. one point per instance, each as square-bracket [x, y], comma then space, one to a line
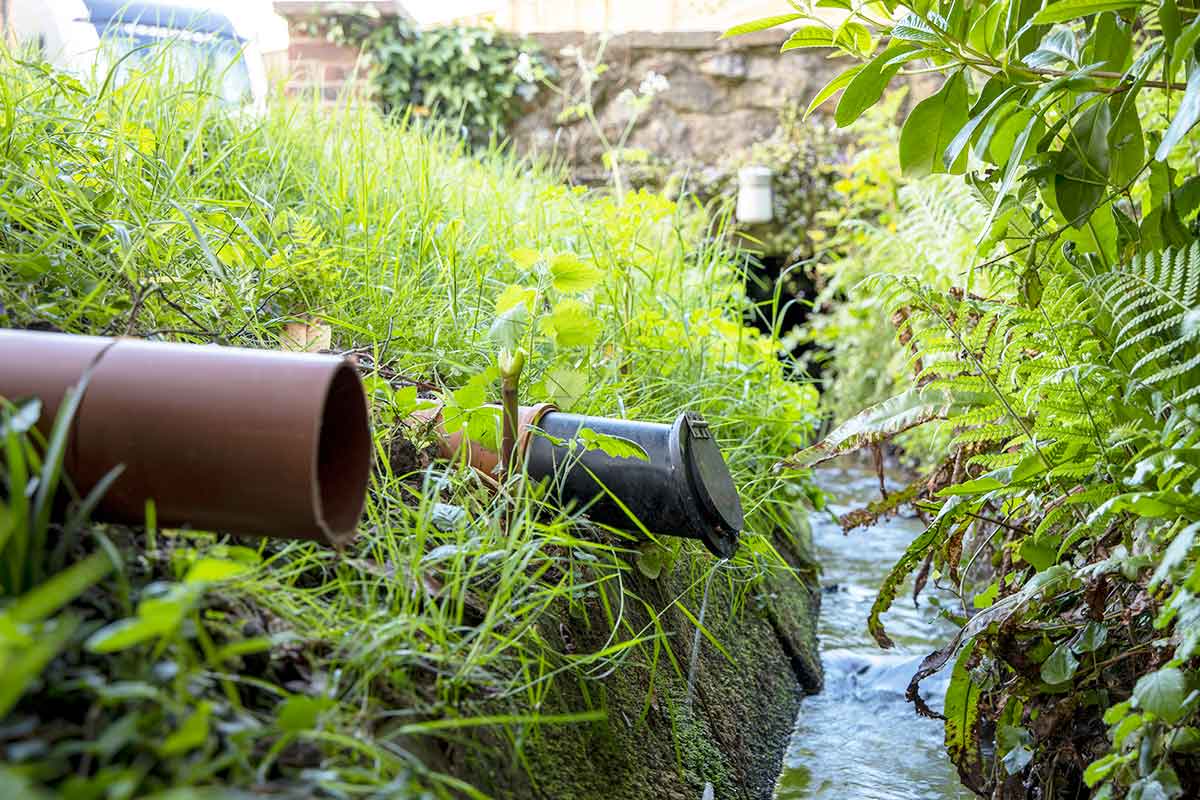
[125, 633]
[565, 386]
[651, 558]
[761, 24]
[612, 446]
[1082, 167]
[931, 128]
[190, 735]
[571, 324]
[570, 273]
[1090, 639]
[1161, 693]
[832, 88]
[1060, 667]
[212, 570]
[867, 85]
[51, 595]
[1126, 144]
[513, 296]
[1065, 10]
[808, 36]
[301, 713]
[525, 257]
[509, 327]
[1185, 118]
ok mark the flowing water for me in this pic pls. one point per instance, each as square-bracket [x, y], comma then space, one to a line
[860, 739]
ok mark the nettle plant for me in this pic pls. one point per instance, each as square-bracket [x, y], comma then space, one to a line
[1065, 363]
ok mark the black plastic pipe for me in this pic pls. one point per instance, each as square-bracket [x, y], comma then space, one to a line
[683, 489]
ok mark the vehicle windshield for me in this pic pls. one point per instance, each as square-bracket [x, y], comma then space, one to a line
[187, 56]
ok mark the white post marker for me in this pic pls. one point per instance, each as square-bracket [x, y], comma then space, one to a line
[755, 200]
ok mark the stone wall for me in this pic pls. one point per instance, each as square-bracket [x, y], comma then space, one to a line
[724, 95]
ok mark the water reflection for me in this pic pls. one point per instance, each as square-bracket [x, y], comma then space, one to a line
[860, 739]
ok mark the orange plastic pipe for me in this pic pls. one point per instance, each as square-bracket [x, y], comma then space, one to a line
[221, 438]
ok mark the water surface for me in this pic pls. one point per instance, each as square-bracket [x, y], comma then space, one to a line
[860, 739]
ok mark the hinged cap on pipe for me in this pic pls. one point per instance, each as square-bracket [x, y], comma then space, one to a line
[221, 438]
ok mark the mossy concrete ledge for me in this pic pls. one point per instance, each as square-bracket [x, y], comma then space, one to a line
[658, 740]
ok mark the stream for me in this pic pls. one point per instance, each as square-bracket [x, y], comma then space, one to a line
[860, 739]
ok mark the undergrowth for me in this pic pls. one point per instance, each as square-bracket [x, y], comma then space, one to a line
[177, 659]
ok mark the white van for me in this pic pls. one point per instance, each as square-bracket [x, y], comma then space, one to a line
[227, 36]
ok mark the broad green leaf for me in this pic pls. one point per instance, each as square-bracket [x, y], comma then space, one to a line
[761, 24]
[571, 324]
[1161, 693]
[515, 295]
[525, 257]
[1126, 144]
[613, 446]
[509, 328]
[1171, 25]
[985, 33]
[931, 128]
[565, 386]
[1056, 46]
[1090, 639]
[867, 85]
[1109, 44]
[1060, 667]
[1082, 167]
[830, 89]
[474, 393]
[808, 36]
[1185, 117]
[570, 273]
[23, 667]
[1065, 10]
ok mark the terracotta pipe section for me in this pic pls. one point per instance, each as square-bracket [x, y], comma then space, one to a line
[481, 458]
[225, 439]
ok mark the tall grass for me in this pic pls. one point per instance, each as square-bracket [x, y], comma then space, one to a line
[150, 209]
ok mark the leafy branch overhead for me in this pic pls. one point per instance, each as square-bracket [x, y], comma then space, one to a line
[1060, 368]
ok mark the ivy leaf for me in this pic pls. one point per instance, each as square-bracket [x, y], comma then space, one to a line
[1060, 667]
[930, 129]
[1065, 10]
[570, 273]
[571, 325]
[867, 85]
[1090, 639]
[1185, 117]
[1161, 693]
[762, 24]
[1082, 166]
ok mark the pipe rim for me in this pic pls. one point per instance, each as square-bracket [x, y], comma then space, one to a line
[341, 457]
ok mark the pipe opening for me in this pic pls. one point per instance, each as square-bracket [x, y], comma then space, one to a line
[343, 456]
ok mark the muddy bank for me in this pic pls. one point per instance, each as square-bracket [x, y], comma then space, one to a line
[659, 739]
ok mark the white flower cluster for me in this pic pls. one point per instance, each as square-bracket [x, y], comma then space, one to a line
[653, 84]
[524, 69]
